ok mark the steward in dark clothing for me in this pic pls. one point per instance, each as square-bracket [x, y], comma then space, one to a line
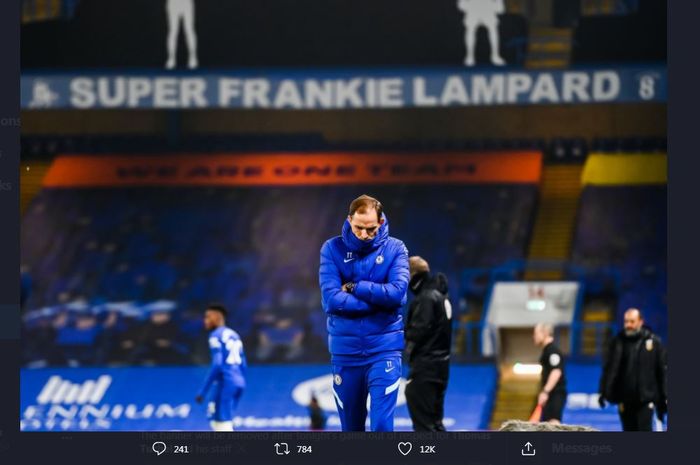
[634, 377]
[317, 415]
[428, 335]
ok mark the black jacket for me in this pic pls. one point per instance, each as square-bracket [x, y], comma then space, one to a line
[428, 329]
[648, 357]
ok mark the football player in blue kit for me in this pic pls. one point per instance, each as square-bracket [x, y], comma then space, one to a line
[227, 373]
[364, 276]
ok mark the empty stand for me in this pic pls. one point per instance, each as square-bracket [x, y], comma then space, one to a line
[624, 227]
[255, 249]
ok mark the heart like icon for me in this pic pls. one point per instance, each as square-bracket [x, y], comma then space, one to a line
[405, 448]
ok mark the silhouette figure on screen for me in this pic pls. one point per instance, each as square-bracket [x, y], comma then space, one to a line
[181, 12]
[481, 13]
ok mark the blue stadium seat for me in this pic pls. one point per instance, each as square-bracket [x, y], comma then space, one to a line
[247, 247]
[624, 227]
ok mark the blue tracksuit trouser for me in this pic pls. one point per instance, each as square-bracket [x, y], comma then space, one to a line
[351, 386]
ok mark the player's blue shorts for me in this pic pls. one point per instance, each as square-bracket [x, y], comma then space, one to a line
[352, 384]
[224, 401]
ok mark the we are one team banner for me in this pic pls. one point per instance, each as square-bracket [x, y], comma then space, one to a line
[288, 169]
[325, 90]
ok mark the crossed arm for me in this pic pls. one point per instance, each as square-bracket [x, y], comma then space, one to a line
[335, 299]
[390, 294]
[367, 296]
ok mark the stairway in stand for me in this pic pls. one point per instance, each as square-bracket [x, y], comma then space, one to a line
[556, 217]
[548, 47]
[516, 397]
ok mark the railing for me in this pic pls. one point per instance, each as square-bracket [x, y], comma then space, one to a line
[468, 339]
[609, 7]
[514, 270]
[580, 332]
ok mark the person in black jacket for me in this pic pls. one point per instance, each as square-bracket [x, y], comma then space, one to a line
[634, 374]
[552, 395]
[428, 335]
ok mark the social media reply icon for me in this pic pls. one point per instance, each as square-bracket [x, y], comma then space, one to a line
[159, 447]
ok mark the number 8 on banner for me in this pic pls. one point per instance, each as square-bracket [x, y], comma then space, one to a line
[647, 86]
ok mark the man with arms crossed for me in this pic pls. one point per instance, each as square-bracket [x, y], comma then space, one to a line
[364, 277]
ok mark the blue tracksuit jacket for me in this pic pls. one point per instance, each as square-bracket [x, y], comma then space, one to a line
[365, 328]
[369, 320]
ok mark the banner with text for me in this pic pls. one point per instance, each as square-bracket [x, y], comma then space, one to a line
[163, 399]
[293, 169]
[329, 90]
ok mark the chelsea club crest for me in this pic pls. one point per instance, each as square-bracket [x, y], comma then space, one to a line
[379, 260]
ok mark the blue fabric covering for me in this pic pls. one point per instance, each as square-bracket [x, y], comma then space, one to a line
[369, 320]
